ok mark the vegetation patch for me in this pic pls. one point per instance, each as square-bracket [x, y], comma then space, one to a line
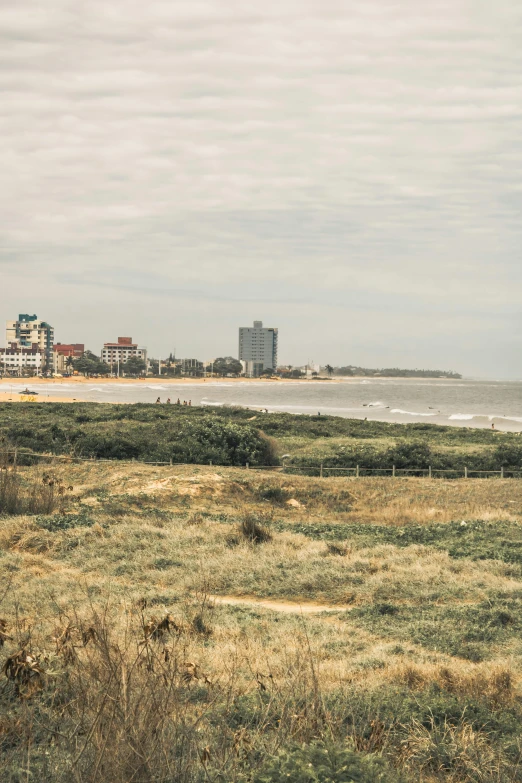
[476, 540]
[474, 632]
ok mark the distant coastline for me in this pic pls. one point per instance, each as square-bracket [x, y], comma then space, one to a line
[393, 372]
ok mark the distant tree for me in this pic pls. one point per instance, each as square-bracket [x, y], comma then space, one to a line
[329, 369]
[90, 364]
[134, 366]
[69, 363]
[268, 371]
[226, 366]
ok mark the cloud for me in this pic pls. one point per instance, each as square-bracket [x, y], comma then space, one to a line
[295, 153]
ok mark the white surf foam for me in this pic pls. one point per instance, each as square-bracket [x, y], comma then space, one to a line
[411, 413]
[485, 416]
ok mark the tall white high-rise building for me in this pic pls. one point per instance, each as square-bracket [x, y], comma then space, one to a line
[258, 348]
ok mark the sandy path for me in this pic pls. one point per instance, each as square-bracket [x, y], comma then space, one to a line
[277, 606]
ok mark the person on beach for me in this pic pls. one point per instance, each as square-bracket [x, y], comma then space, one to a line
[168, 400]
[178, 402]
[158, 401]
[190, 403]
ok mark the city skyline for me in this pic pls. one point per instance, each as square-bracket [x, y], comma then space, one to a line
[349, 172]
[257, 350]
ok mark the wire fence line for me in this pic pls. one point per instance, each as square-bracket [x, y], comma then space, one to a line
[17, 456]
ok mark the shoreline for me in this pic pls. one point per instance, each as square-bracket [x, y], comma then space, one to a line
[77, 379]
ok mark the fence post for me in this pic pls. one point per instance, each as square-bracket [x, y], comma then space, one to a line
[429, 471]
[502, 472]
[357, 472]
[247, 465]
[321, 471]
[171, 460]
[210, 463]
[393, 471]
[465, 472]
[284, 466]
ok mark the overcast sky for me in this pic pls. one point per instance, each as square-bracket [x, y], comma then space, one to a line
[347, 171]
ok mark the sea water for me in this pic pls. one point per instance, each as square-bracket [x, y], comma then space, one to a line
[466, 403]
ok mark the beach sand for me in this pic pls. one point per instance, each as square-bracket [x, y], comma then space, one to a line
[31, 382]
[15, 396]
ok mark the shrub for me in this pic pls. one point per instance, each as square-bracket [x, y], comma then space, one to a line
[254, 531]
[273, 494]
[410, 454]
[458, 751]
[37, 496]
[337, 548]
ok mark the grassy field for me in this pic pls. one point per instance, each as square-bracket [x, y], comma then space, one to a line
[215, 624]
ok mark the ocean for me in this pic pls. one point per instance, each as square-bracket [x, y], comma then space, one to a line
[451, 402]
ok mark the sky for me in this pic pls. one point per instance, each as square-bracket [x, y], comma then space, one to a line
[349, 172]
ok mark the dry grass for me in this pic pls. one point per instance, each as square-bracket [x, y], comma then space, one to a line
[111, 637]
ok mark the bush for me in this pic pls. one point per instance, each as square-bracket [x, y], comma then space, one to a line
[37, 496]
[254, 531]
[273, 493]
[140, 432]
[410, 454]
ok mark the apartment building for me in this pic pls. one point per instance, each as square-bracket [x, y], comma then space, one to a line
[118, 353]
[192, 367]
[257, 348]
[63, 353]
[15, 360]
[29, 330]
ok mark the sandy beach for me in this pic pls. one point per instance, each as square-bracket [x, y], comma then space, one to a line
[80, 379]
[15, 396]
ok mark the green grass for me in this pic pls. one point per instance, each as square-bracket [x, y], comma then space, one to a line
[474, 632]
[476, 540]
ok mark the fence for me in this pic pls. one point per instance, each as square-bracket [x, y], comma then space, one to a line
[320, 471]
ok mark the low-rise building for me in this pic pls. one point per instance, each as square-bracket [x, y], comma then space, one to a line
[15, 360]
[64, 353]
[114, 354]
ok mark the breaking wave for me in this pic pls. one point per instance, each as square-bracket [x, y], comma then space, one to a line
[412, 413]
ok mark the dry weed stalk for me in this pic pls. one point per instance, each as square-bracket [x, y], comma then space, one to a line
[4, 636]
[157, 629]
[26, 493]
[24, 670]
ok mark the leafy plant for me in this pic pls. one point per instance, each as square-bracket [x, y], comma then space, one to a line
[326, 763]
